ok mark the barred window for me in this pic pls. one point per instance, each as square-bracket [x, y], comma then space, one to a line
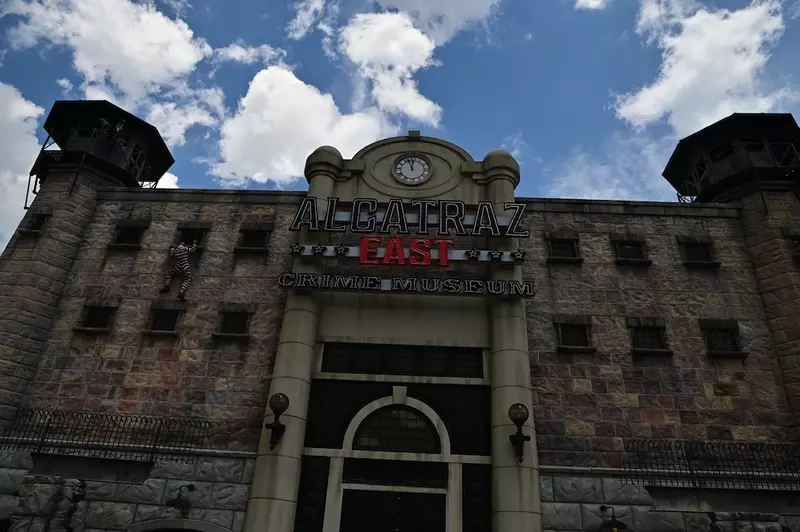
[629, 250]
[697, 252]
[649, 338]
[721, 340]
[563, 248]
[397, 429]
[573, 335]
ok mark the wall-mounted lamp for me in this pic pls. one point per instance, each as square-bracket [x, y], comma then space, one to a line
[518, 413]
[278, 403]
[612, 525]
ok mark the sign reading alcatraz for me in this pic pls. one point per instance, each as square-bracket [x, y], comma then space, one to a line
[435, 225]
[424, 216]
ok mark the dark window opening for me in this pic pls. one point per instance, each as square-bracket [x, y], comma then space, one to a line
[130, 236]
[164, 320]
[235, 322]
[721, 152]
[630, 250]
[97, 317]
[190, 236]
[697, 252]
[573, 335]
[721, 340]
[649, 338]
[427, 361]
[397, 429]
[37, 222]
[563, 248]
[254, 239]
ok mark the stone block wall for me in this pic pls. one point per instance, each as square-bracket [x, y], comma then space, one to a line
[219, 496]
[771, 221]
[586, 405]
[188, 374]
[34, 270]
[571, 503]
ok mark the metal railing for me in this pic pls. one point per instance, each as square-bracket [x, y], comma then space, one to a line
[712, 464]
[113, 436]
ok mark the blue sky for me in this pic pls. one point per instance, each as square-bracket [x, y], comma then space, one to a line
[590, 95]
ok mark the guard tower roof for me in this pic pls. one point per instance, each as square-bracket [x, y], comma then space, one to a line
[72, 112]
[775, 127]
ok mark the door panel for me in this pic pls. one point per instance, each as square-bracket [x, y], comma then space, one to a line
[385, 511]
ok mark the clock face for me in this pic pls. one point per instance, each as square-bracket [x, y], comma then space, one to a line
[412, 169]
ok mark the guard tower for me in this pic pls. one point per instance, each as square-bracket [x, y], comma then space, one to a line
[127, 150]
[736, 155]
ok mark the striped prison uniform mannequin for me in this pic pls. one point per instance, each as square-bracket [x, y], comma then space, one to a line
[180, 265]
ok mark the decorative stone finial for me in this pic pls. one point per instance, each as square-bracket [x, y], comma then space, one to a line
[325, 160]
[500, 164]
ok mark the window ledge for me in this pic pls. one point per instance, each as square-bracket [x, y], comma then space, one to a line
[127, 247]
[707, 264]
[651, 352]
[92, 330]
[249, 250]
[160, 333]
[230, 337]
[634, 262]
[727, 354]
[29, 232]
[577, 349]
[564, 260]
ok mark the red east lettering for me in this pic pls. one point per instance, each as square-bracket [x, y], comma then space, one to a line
[394, 251]
[420, 252]
[444, 247]
[369, 254]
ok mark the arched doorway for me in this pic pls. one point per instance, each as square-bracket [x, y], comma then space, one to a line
[394, 473]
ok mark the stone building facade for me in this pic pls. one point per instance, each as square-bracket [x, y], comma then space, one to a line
[659, 357]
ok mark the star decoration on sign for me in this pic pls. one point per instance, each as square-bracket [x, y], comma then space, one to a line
[341, 251]
[496, 255]
[518, 255]
[297, 249]
[473, 254]
[319, 249]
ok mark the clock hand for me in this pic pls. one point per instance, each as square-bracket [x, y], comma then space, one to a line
[411, 164]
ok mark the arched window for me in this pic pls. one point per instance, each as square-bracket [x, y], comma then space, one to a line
[397, 429]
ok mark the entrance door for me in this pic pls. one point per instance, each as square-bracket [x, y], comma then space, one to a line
[389, 511]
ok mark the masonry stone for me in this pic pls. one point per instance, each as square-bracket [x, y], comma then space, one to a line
[110, 515]
[645, 519]
[576, 489]
[561, 516]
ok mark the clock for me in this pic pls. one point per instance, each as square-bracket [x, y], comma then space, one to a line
[412, 169]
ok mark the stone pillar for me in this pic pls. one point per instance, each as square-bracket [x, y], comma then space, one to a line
[276, 477]
[34, 269]
[516, 505]
[768, 219]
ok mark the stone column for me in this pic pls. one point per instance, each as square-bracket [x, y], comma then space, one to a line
[276, 477]
[516, 505]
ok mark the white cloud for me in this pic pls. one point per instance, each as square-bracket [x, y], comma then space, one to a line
[248, 55]
[280, 121]
[442, 19]
[119, 47]
[711, 65]
[168, 180]
[18, 150]
[308, 13]
[388, 50]
[591, 4]
[65, 84]
[631, 171]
